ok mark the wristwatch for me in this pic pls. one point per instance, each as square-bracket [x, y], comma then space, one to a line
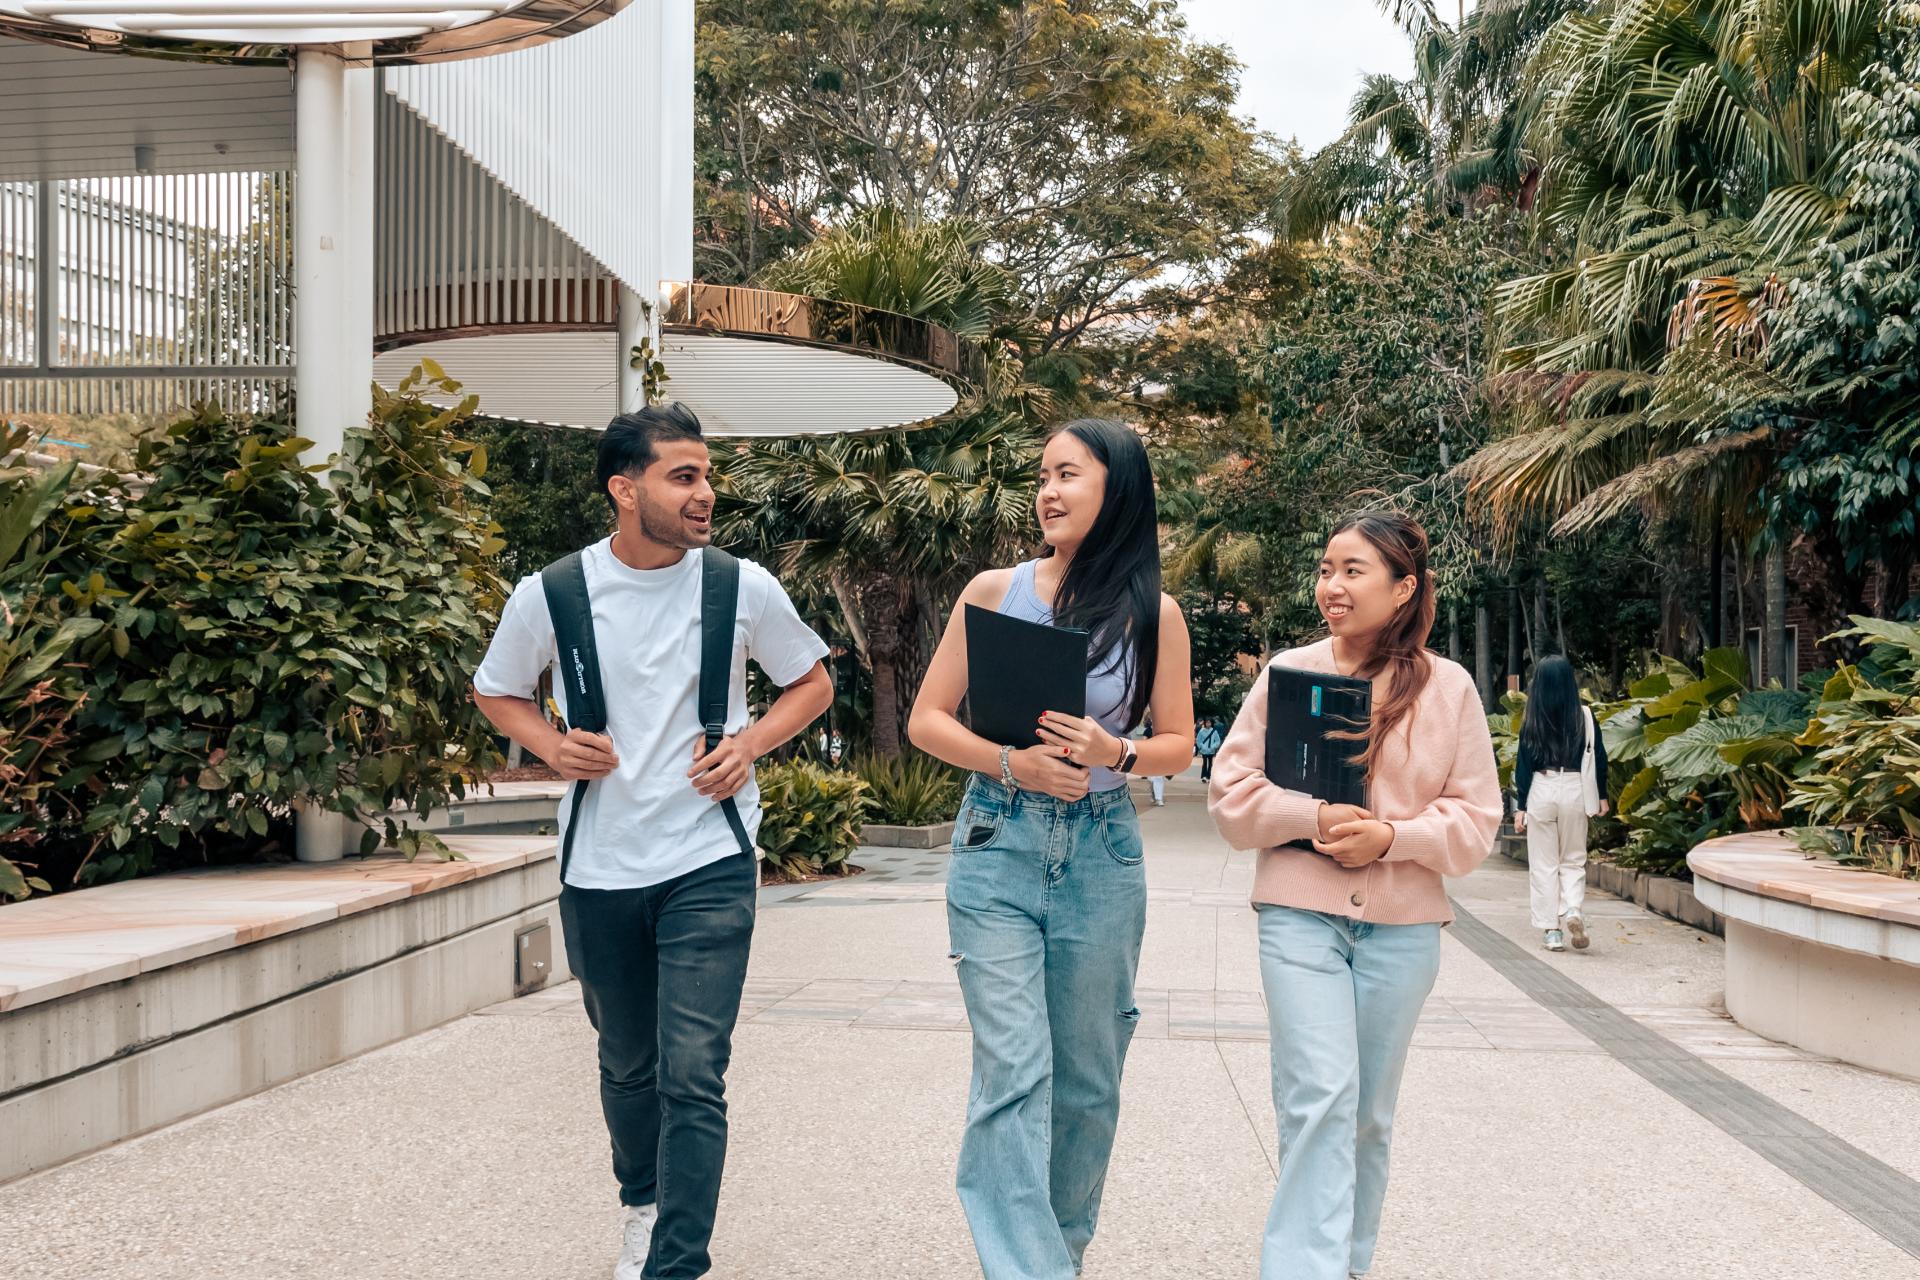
[1006, 768]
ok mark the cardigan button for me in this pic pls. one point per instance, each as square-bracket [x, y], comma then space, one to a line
[1357, 900]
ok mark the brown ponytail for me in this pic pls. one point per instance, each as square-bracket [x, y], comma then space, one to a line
[1400, 646]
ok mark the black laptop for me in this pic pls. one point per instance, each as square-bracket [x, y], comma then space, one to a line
[1016, 669]
[1303, 707]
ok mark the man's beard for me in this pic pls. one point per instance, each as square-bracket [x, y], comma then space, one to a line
[668, 528]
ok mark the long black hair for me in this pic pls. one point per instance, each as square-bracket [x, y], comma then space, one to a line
[1112, 588]
[1555, 731]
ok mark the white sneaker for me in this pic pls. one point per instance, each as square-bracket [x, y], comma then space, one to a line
[1577, 932]
[1556, 941]
[638, 1240]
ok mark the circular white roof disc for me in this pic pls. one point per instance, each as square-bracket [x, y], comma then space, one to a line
[276, 21]
[738, 386]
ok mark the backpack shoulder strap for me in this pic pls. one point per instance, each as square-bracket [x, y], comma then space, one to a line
[565, 584]
[719, 605]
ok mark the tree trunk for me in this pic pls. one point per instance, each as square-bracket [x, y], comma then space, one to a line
[887, 605]
[1672, 624]
[1776, 659]
[1559, 623]
[1740, 594]
[1453, 632]
[1539, 618]
[887, 741]
[1716, 580]
[1483, 655]
[1513, 637]
[1896, 571]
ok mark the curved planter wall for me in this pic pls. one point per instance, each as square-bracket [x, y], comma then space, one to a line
[1818, 956]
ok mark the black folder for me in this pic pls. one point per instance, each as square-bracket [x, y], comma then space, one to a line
[1303, 707]
[1016, 669]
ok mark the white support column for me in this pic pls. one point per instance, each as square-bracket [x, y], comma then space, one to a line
[333, 298]
[322, 254]
[362, 90]
[636, 326]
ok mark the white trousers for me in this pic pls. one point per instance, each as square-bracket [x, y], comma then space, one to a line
[1159, 786]
[1556, 847]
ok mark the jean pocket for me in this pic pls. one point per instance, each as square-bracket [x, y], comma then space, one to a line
[975, 827]
[1120, 832]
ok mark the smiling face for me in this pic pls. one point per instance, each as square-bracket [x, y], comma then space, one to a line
[1357, 592]
[1073, 484]
[671, 499]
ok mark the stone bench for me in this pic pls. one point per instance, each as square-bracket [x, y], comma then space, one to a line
[1818, 955]
[132, 1005]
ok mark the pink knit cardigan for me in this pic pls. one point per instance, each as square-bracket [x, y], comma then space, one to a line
[1435, 781]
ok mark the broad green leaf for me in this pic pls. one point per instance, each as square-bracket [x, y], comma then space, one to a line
[1697, 752]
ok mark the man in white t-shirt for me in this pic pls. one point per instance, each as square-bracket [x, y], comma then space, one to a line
[658, 900]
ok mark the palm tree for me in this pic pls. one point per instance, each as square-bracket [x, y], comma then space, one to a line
[1452, 132]
[1689, 152]
[889, 526]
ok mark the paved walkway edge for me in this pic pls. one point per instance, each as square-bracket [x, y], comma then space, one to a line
[1879, 1196]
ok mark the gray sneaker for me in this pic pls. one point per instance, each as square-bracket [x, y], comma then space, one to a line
[1577, 932]
[1556, 940]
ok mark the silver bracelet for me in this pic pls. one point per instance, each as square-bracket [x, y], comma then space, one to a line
[1006, 768]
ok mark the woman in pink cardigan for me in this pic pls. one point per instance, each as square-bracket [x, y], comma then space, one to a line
[1351, 900]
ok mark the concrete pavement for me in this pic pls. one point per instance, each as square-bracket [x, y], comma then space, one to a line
[1525, 1148]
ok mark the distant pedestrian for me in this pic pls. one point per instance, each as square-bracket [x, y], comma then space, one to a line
[1207, 743]
[1156, 783]
[1559, 782]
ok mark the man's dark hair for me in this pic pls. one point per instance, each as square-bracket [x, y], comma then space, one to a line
[627, 447]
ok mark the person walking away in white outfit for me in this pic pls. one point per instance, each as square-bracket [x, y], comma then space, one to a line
[1559, 781]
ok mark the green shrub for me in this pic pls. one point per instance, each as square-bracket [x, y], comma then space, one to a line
[40, 684]
[915, 790]
[263, 641]
[1505, 727]
[1861, 787]
[810, 817]
[1713, 757]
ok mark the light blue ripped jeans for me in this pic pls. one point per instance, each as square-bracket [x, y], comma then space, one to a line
[1046, 905]
[1343, 998]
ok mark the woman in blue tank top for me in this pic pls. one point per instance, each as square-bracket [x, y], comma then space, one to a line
[1046, 891]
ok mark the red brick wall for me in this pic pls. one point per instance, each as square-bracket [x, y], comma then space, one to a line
[1804, 567]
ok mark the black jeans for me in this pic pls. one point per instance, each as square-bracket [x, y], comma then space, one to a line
[1206, 768]
[661, 969]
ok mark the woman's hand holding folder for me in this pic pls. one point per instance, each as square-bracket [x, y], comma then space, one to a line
[1351, 836]
[1046, 770]
[1080, 739]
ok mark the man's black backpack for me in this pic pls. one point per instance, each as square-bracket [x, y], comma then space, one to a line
[565, 584]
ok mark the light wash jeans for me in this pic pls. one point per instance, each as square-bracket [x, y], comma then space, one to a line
[1046, 905]
[1342, 1000]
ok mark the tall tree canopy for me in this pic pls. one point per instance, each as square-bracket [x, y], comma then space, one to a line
[1092, 141]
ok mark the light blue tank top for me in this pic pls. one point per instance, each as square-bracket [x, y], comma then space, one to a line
[1107, 681]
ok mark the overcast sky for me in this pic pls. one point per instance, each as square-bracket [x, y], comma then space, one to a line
[1303, 58]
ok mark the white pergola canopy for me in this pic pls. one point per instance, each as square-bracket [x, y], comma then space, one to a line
[282, 21]
[738, 386]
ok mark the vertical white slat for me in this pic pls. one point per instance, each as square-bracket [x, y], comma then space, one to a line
[469, 227]
[417, 241]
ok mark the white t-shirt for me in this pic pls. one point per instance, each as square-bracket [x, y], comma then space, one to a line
[644, 823]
